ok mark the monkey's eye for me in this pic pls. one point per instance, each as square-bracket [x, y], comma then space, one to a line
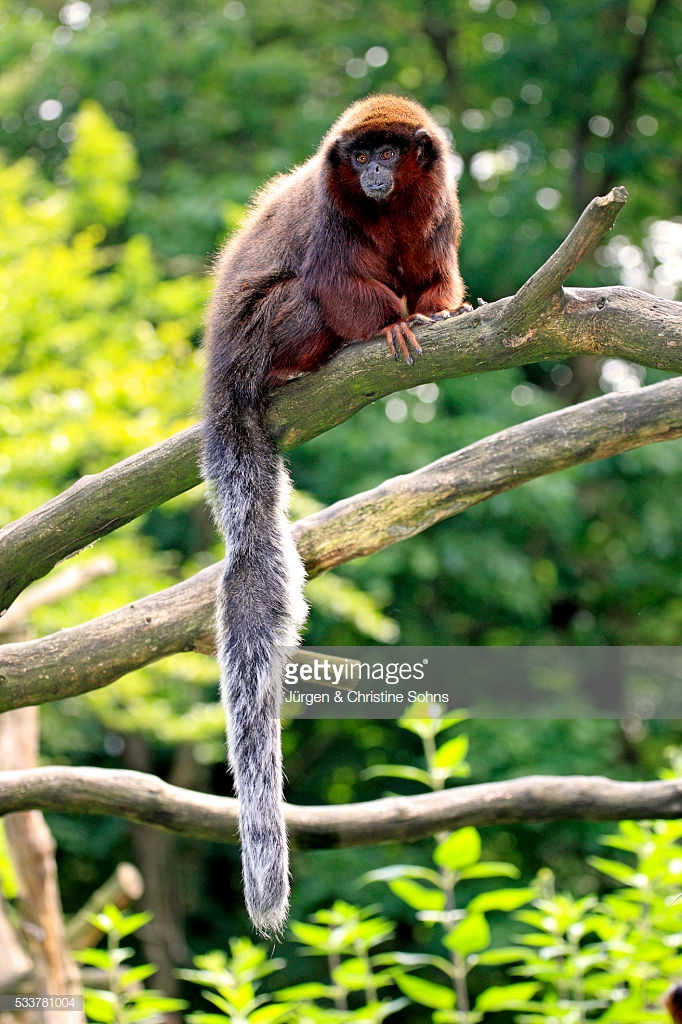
[361, 158]
[388, 154]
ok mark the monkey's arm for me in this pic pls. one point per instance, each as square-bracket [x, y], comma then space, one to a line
[435, 286]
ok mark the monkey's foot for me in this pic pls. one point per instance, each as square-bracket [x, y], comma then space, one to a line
[445, 314]
[400, 335]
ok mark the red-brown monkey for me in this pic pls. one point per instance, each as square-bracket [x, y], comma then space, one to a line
[353, 242]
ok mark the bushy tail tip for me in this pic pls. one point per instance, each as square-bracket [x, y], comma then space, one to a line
[266, 879]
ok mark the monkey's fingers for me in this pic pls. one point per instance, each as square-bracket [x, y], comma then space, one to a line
[400, 335]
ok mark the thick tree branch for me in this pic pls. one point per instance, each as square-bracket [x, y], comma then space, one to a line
[147, 800]
[180, 618]
[541, 321]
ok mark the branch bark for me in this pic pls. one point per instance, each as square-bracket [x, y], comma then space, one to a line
[180, 618]
[542, 321]
[147, 800]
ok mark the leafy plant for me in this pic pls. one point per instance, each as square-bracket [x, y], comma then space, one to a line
[123, 1000]
[231, 985]
[345, 935]
[578, 959]
[433, 892]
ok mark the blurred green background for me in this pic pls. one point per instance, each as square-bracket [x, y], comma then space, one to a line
[131, 136]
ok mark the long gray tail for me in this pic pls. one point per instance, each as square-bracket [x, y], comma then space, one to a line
[260, 609]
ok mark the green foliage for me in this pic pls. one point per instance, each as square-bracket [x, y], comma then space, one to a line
[9, 883]
[606, 959]
[98, 358]
[101, 165]
[123, 1001]
[231, 985]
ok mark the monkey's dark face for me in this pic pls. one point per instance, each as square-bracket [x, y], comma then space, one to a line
[376, 169]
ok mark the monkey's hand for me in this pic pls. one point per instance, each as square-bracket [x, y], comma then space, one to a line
[400, 335]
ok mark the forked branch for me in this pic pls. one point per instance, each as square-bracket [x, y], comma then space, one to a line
[542, 321]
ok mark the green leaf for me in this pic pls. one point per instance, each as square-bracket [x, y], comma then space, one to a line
[135, 974]
[100, 1005]
[452, 753]
[399, 771]
[93, 958]
[312, 935]
[127, 924]
[270, 1014]
[426, 993]
[503, 955]
[307, 990]
[418, 896]
[621, 872]
[393, 871]
[491, 869]
[459, 849]
[471, 935]
[353, 974]
[148, 1008]
[428, 728]
[507, 997]
[500, 899]
[413, 960]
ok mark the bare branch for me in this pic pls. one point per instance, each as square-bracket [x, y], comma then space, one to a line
[542, 321]
[180, 618]
[595, 221]
[147, 800]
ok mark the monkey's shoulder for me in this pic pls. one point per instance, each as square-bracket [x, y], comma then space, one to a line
[276, 231]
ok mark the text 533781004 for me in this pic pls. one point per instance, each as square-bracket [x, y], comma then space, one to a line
[16, 1002]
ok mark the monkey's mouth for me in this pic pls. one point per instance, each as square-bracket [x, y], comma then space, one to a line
[377, 190]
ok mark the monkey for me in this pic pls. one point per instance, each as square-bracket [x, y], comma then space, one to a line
[361, 239]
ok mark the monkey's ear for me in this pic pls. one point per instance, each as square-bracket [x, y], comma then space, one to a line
[335, 152]
[425, 147]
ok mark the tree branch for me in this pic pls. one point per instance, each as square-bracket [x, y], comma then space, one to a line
[594, 222]
[542, 321]
[94, 654]
[147, 800]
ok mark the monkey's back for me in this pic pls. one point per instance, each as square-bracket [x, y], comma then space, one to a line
[272, 242]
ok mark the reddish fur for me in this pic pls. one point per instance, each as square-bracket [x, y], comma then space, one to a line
[319, 264]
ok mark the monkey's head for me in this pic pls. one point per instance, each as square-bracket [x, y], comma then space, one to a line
[382, 146]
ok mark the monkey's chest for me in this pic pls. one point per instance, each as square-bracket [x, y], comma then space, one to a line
[397, 265]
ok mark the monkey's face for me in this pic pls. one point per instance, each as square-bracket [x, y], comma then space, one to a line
[376, 169]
